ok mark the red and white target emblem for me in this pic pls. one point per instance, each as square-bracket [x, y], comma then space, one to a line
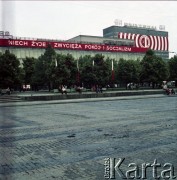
[157, 43]
[144, 41]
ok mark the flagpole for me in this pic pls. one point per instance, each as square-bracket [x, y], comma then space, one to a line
[56, 64]
[112, 78]
[78, 74]
[78, 65]
[112, 65]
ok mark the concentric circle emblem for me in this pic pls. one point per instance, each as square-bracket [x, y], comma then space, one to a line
[144, 41]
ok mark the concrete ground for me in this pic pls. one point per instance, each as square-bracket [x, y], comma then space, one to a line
[70, 141]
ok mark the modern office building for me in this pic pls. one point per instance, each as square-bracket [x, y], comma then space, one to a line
[143, 36]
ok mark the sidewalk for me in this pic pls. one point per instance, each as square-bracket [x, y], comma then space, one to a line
[81, 100]
[38, 98]
[46, 93]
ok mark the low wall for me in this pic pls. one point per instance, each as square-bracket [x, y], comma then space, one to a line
[91, 95]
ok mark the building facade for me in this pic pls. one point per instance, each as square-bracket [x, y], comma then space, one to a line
[144, 36]
[117, 42]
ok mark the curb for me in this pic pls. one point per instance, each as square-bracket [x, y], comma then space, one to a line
[88, 95]
[81, 100]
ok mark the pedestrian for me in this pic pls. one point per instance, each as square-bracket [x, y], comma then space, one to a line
[64, 90]
[172, 91]
[165, 87]
[168, 91]
[97, 89]
[101, 90]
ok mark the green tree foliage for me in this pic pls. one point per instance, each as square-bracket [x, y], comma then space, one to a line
[43, 69]
[173, 69]
[128, 71]
[71, 66]
[10, 71]
[101, 70]
[87, 76]
[66, 70]
[94, 70]
[150, 52]
[38, 77]
[28, 69]
[154, 69]
[53, 69]
[111, 74]
[61, 73]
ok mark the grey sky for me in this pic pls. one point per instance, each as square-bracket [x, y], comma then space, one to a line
[66, 19]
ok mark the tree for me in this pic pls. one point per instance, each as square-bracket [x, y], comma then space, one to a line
[55, 69]
[71, 66]
[136, 70]
[66, 70]
[43, 68]
[173, 69]
[10, 71]
[128, 71]
[94, 70]
[112, 73]
[85, 64]
[28, 68]
[101, 70]
[154, 69]
[83, 60]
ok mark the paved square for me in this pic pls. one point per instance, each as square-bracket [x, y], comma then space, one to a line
[70, 141]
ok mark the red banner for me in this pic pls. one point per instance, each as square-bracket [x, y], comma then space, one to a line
[69, 46]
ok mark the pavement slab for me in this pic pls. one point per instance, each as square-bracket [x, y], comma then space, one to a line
[70, 141]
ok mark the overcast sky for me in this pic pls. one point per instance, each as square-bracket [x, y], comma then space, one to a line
[66, 19]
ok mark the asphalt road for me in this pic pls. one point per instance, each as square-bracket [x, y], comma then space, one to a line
[70, 141]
